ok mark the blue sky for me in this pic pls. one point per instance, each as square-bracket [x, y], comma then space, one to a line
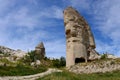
[25, 23]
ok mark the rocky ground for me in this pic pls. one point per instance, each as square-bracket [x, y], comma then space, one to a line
[97, 66]
[30, 77]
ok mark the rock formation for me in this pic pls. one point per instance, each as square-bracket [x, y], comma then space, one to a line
[79, 38]
[40, 50]
[100, 66]
[11, 53]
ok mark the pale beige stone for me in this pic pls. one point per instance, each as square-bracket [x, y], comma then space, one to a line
[96, 67]
[79, 38]
[40, 50]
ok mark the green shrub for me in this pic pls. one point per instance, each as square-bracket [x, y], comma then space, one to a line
[62, 61]
[27, 60]
[46, 58]
[6, 55]
[5, 61]
[1, 52]
[59, 62]
[112, 62]
[20, 70]
[56, 63]
[104, 56]
[32, 55]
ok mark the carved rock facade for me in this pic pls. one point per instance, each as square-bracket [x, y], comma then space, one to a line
[79, 38]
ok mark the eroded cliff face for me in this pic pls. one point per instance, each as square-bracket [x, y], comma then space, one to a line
[79, 38]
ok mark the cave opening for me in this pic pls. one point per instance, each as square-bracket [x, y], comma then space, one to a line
[78, 60]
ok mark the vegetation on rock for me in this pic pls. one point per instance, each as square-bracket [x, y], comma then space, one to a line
[59, 62]
[103, 56]
[30, 57]
[20, 67]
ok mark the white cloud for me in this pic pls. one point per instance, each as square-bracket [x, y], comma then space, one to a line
[28, 40]
[55, 48]
[81, 4]
[33, 2]
[107, 14]
[52, 12]
[109, 48]
[106, 19]
[5, 5]
[23, 29]
[19, 18]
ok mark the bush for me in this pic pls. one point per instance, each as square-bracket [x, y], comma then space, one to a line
[30, 57]
[1, 52]
[20, 70]
[62, 61]
[104, 56]
[6, 62]
[56, 63]
[59, 62]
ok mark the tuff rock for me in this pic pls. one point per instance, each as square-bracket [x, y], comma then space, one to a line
[40, 50]
[11, 54]
[80, 42]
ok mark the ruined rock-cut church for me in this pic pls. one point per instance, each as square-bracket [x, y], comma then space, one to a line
[80, 44]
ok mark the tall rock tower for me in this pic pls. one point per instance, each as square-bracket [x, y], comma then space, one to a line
[80, 42]
[40, 50]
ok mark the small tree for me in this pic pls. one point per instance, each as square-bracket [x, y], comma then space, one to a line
[59, 62]
[32, 55]
[1, 52]
[62, 61]
[104, 56]
[56, 63]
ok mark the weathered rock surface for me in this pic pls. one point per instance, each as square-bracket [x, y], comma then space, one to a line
[11, 53]
[96, 66]
[93, 55]
[79, 38]
[36, 63]
[40, 50]
[110, 56]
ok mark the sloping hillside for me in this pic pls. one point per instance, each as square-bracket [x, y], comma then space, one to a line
[103, 65]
